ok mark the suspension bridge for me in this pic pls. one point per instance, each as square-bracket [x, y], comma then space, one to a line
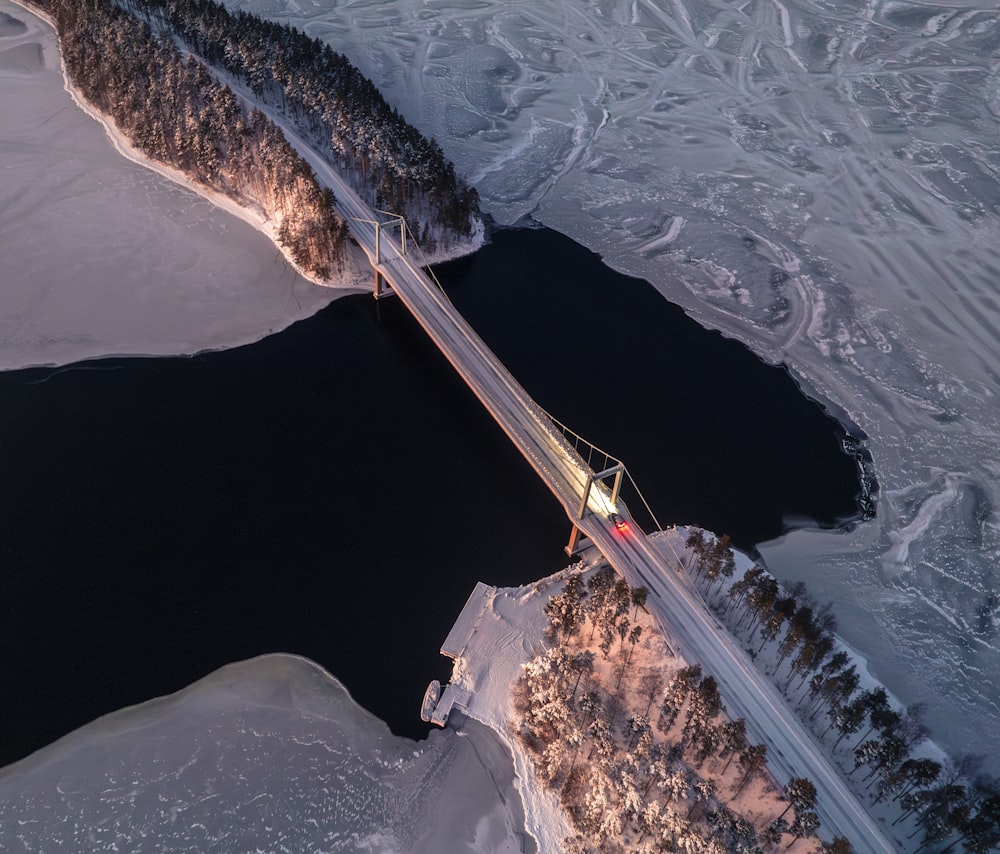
[586, 480]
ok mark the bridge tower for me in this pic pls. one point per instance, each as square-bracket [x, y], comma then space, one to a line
[600, 477]
[382, 288]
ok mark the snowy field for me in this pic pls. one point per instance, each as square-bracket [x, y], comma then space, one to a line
[818, 179]
[265, 755]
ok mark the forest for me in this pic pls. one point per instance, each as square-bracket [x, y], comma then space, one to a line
[174, 111]
[945, 804]
[343, 114]
[644, 758]
[153, 67]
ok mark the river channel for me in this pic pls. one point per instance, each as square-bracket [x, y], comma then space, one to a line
[335, 491]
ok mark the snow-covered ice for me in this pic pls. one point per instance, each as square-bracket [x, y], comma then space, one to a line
[101, 256]
[270, 754]
[816, 178]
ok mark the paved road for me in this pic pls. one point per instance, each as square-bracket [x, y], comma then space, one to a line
[792, 751]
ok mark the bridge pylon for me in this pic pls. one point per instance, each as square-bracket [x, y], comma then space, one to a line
[382, 288]
[601, 477]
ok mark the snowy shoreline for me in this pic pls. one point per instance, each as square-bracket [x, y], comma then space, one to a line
[501, 634]
[917, 484]
[267, 754]
[356, 277]
[176, 278]
[126, 149]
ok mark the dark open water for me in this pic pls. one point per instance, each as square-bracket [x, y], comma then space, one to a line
[335, 490]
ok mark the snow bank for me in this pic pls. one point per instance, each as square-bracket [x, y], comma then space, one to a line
[265, 755]
[505, 635]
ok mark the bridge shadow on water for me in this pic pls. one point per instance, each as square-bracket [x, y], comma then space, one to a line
[335, 490]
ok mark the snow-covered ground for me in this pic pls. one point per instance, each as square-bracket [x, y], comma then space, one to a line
[502, 630]
[816, 178]
[101, 256]
[270, 754]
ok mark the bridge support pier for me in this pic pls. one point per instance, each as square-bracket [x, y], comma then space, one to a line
[382, 288]
[575, 538]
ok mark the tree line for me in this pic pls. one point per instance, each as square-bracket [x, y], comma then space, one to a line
[174, 111]
[951, 805]
[333, 104]
[639, 756]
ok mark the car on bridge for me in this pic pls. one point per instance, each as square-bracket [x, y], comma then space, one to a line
[618, 522]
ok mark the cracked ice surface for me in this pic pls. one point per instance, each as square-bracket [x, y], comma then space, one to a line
[270, 754]
[818, 179]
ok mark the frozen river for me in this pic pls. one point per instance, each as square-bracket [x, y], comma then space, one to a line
[817, 179]
[264, 755]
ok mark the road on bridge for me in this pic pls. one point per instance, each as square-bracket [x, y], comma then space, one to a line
[680, 609]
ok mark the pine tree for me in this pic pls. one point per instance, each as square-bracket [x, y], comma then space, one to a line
[806, 824]
[733, 741]
[753, 761]
[677, 691]
[565, 611]
[801, 794]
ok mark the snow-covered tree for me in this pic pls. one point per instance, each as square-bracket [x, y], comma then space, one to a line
[806, 823]
[752, 761]
[678, 689]
[739, 590]
[774, 831]
[635, 727]
[732, 831]
[704, 703]
[657, 767]
[565, 611]
[848, 718]
[733, 740]
[800, 793]
[703, 791]
[581, 665]
[910, 774]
